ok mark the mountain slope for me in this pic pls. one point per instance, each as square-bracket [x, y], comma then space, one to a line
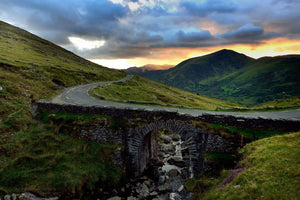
[32, 68]
[33, 156]
[235, 77]
[186, 74]
[264, 80]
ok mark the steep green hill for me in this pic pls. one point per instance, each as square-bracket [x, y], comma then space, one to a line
[33, 157]
[187, 74]
[32, 68]
[235, 77]
[263, 80]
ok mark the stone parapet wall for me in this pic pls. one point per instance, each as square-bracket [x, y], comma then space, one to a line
[139, 137]
[260, 123]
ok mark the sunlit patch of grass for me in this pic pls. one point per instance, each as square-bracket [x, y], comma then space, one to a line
[32, 68]
[292, 102]
[272, 172]
[141, 90]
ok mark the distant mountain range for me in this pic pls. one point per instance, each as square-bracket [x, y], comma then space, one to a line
[234, 77]
[149, 67]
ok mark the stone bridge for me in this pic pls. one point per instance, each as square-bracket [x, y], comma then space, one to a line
[137, 131]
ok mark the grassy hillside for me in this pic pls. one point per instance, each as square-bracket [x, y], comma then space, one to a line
[236, 78]
[33, 157]
[187, 74]
[272, 171]
[146, 91]
[266, 79]
[32, 68]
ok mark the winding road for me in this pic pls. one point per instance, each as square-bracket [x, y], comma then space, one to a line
[78, 95]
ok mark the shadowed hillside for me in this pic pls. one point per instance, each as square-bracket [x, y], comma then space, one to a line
[235, 77]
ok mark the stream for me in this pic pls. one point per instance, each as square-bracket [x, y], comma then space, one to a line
[166, 180]
[174, 170]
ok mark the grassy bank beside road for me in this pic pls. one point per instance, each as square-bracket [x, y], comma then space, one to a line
[272, 171]
[141, 90]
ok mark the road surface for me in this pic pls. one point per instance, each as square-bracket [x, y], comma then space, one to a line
[78, 95]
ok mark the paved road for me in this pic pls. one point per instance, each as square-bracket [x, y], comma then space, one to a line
[78, 95]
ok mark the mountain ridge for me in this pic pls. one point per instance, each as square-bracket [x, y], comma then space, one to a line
[234, 77]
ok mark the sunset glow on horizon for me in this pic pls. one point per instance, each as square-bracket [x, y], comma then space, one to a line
[125, 33]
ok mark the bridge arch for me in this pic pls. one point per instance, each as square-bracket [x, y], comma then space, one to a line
[143, 141]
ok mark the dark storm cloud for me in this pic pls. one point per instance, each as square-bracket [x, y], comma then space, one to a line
[247, 31]
[151, 24]
[249, 34]
[208, 7]
[193, 36]
[72, 17]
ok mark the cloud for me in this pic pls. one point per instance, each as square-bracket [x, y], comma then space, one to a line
[133, 28]
[73, 17]
[207, 7]
[249, 34]
[193, 36]
[246, 31]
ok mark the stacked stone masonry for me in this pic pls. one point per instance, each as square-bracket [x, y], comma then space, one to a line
[139, 138]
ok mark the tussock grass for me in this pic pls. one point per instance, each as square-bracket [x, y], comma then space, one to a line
[272, 172]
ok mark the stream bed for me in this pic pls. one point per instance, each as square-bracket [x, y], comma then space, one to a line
[165, 179]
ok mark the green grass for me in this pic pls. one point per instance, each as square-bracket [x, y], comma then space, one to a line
[233, 77]
[253, 134]
[141, 90]
[272, 172]
[34, 156]
[43, 162]
[293, 102]
[218, 156]
[32, 68]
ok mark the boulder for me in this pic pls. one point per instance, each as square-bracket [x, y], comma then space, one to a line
[176, 137]
[162, 179]
[148, 183]
[167, 148]
[173, 173]
[28, 196]
[132, 198]
[115, 198]
[164, 188]
[152, 194]
[176, 160]
[174, 196]
[145, 190]
[7, 197]
[166, 139]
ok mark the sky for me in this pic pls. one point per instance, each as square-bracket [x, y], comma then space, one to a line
[124, 33]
